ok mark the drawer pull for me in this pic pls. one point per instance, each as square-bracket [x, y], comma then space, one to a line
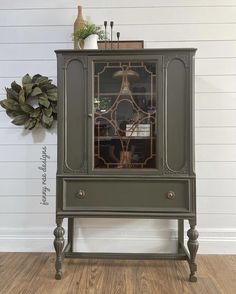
[171, 195]
[80, 194]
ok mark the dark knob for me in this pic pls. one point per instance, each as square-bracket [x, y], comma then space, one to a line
[80, 194]
[170, 194]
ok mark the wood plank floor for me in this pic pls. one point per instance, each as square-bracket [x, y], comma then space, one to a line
[34, 273]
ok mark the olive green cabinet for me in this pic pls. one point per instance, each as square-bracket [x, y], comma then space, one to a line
[126, 142]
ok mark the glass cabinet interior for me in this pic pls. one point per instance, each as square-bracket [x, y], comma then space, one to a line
[125, 112]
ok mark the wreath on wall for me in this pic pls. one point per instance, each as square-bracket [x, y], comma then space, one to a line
[32, 104]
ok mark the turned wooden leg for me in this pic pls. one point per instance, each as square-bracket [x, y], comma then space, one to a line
[193, 248]
[58, 245]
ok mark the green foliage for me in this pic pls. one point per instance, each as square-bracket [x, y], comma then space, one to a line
[87, 30]
[105, 103]
[18, 103]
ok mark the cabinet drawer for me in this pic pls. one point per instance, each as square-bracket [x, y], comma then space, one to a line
[126, 195]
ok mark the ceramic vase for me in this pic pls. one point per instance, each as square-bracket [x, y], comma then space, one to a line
[91, 42]
[79, 23]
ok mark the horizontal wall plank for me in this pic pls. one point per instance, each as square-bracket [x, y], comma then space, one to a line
[23, 244]
[26, 205]
[219, 170]
[223, 136]
[19, 136]
[133, 32]
[218, 245]
[220, 221]
[27, 153]
[21, 221]
[225, 205]
[46, 67]
[205, 48]
[24, 170]
[215, 101]
[31, 52]
[36, 34]
[218, 66]
[104, 3]
[216, 118]
[26, 187]
[121, 15]
[215, 84]
[216, 187]
[215, 153]
[160, 15]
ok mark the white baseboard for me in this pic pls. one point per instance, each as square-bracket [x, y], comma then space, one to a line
[212, 241]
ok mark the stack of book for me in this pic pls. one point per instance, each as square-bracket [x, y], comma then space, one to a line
[140, 130]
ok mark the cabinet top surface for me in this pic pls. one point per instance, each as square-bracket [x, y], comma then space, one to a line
[124, 51]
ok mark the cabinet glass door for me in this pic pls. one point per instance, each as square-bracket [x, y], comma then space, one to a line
[125, 115]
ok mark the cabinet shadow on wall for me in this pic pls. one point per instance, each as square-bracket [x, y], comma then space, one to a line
[39, 135]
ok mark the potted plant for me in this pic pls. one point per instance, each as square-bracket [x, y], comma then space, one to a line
[88, 35]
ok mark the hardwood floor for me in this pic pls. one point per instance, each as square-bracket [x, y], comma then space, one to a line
[34, 273]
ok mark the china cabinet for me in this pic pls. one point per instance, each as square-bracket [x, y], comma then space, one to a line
[126, 143]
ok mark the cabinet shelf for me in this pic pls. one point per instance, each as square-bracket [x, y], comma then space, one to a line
[116, 94]
[108, 138]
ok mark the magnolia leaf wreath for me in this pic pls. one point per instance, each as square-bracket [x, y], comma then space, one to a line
[32, 104]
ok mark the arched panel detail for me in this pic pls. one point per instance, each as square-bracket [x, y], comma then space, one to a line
[176, 102]
[75, 118]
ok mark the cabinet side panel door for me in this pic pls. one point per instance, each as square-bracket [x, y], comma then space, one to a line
[176, 117]
[75, 114]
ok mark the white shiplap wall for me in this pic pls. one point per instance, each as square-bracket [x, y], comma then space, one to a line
[30, 32]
